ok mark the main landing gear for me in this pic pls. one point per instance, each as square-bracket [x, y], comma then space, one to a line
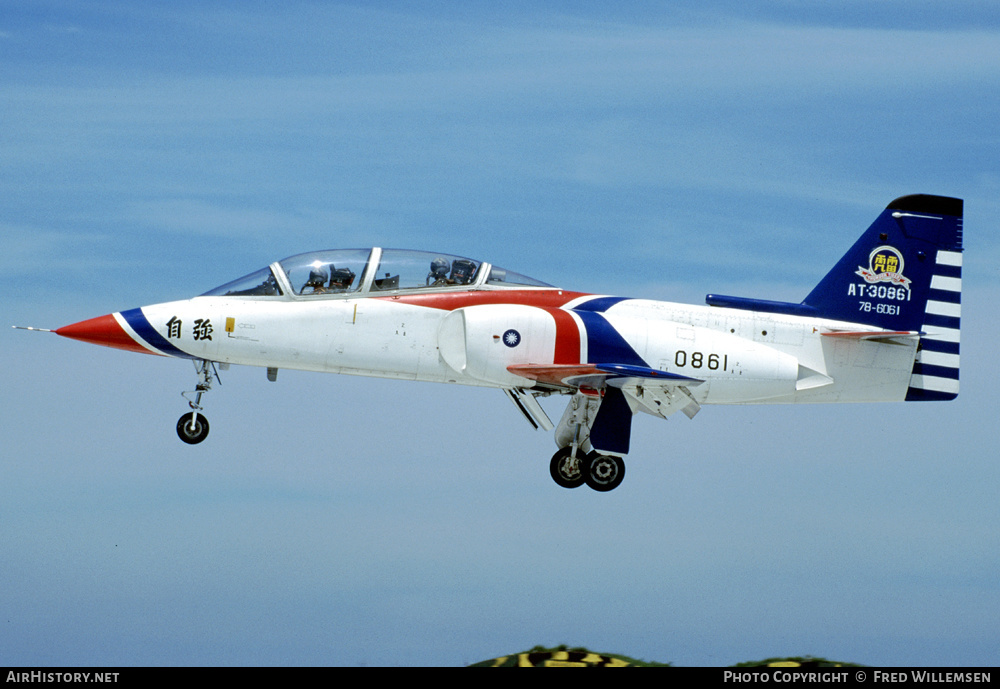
[600, 472]
[192, 427]
[593, 418]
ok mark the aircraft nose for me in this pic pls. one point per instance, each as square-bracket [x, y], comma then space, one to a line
[103, 330]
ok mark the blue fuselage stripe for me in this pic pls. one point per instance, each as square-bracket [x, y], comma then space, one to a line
[138, 322]
[599, 304]
[604, 344]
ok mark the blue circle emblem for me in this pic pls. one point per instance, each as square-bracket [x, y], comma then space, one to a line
[512, 338]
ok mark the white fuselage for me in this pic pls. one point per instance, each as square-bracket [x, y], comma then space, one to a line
[742, 356]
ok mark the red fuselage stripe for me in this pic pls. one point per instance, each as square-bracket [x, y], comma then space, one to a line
[567, 350]
[567, 338]
[449, 301]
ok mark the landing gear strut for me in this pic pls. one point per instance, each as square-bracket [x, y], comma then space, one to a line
[192, 427]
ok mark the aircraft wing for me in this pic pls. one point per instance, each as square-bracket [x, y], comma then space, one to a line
[660, 393]
[597, 375]
[561, 375]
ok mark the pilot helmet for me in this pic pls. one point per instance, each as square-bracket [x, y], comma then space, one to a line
[317, 277]
[341, 278]
[439, 268]
[462, 270]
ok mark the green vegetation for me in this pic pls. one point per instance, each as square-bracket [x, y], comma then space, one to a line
[804, 661]
[563, 656]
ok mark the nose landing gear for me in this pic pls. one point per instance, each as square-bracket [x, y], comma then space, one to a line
[192, 427]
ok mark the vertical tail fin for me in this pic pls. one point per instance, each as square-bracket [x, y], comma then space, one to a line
[905, 273]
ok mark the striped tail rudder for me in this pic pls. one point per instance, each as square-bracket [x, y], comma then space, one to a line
[935, 370]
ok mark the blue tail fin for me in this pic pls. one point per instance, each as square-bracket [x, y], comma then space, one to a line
[889, 275]
[905, 273]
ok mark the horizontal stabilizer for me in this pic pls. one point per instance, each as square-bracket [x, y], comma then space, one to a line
[883, 336]
[869, 335]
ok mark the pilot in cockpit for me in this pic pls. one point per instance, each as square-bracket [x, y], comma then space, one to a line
[316, 284]
[462, 271]
[340, 279]
[439, 272]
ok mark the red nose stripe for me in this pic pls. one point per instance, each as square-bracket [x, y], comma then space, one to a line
[103, 330]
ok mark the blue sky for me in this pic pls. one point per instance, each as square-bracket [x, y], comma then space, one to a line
[150, 152]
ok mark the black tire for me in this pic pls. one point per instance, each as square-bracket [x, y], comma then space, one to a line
[192, 436]
[603, 472]
[562, 470]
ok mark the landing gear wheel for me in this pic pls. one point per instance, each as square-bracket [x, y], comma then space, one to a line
[603, 472]
[192, 435]
[567, 471]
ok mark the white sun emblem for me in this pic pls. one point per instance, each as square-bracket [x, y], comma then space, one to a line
[512, 338]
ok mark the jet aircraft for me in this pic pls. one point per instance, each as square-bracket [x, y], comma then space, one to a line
[881, 326]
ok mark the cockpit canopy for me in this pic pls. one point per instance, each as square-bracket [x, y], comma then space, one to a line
[370, 272]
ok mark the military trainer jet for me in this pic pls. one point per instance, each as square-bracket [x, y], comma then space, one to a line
[881, 326]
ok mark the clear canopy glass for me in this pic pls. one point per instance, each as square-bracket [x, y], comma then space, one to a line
[260, 283]
[346, 271]
[403, 269]
[326, 272]
[500, 276]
